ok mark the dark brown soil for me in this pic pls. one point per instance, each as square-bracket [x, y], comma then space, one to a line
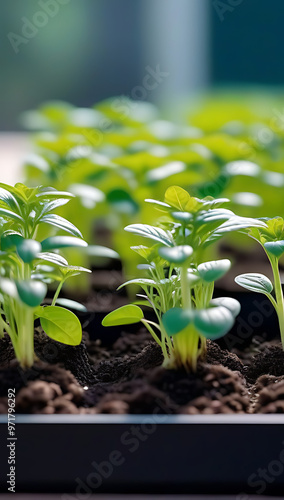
[127, 377]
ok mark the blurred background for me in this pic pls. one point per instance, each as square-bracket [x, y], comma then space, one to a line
[88, 50]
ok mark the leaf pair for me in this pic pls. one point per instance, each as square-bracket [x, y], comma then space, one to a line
[213, 322]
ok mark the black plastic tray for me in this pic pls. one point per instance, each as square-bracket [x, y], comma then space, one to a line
[176, 454]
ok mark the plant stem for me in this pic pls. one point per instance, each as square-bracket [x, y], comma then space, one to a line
[185, 288]
[58, 290]
[279, 296]
[26, 337]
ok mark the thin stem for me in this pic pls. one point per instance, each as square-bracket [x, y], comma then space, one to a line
[185, 288]
[150, 329]
[279, 296]
[58, 290]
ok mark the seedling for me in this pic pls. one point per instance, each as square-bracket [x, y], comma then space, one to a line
[27, 266]
[180, 285]
[271, 239]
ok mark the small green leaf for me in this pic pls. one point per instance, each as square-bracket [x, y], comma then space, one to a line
[54, 258]
[31, 292]
[28, 250]
[52, 205]
[255, 282]
[214, 270]
[151, 232]
[232, 304]
[61, 223]
[10, 239]
[176, 255]
[183, 217]
[275, 248]
[55, 242]
[159, 205]
[177, 197]
[9, 199]
[175, 320]
[60, 324]
[213, 322]
[139, 281]
[101, 251]
[50, 193]
[8, 214]
[125, 315]
[71, 304]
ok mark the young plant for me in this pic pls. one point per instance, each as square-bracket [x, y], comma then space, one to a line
[180, 285]
[28, 265]
[271, 239]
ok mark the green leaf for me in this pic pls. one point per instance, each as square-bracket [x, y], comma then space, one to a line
[73, 270]
[275, 248]
[125, 315]
[237, 223]
[214, 270]
[232, 304]
[177, 197]
[31, 292]
[28, 250]
[52, 205]
[101, 251]
[60, 324]
[9, 199]
[10, 239]
[50, 193]
[71, 304]
[175, 320]
[255, 282]
[159, 205]
[54, 258]
[183, 217]
[176, 255]
[151, 232]
[139, 281]
[213, 216]
[61, 223]
[8, 214]
[213, 322]
[55, 242]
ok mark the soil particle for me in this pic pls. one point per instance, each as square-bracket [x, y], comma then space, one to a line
[44, 388]
[169, 391]
[270, 361]
[74, 358]
[270, 394]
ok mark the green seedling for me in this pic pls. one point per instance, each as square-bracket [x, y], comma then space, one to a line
[271, 239]
[28, 265]
[180, 285]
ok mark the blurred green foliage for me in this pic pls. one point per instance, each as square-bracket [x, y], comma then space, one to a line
[119, 152]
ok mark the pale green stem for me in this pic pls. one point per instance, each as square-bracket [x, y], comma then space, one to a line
[58, 290]
[279, 296]
[185, 288]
